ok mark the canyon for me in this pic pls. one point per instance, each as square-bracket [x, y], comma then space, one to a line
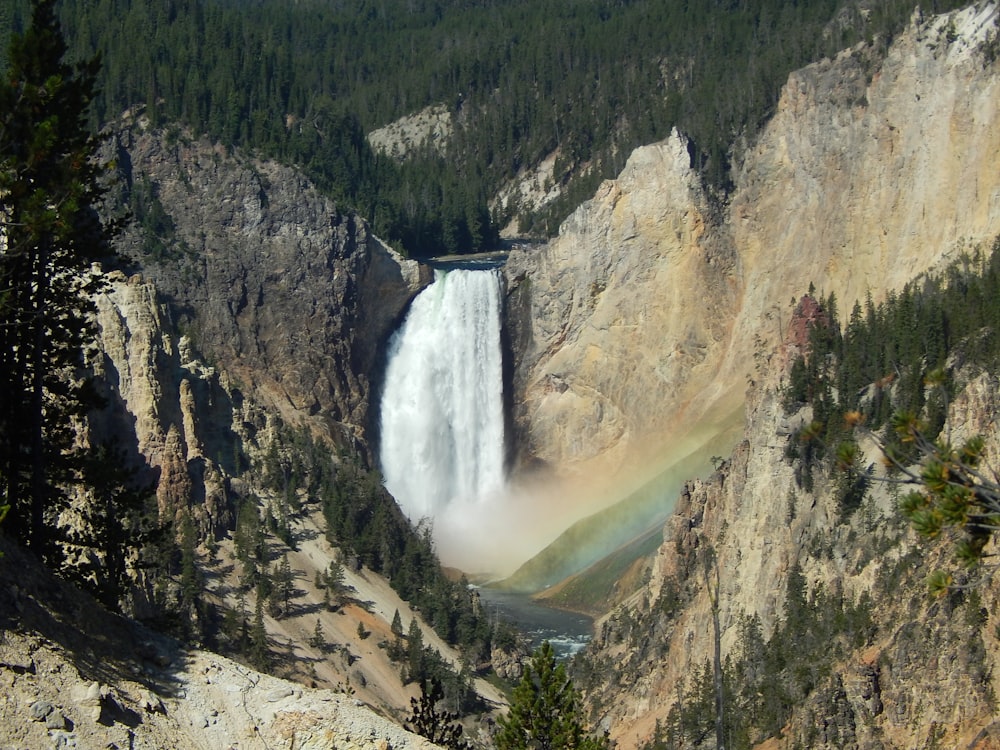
[637, 328]
[652, 332]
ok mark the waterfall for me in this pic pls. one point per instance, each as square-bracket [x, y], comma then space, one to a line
[442, 416]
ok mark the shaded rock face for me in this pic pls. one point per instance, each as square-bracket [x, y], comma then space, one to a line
[179, 421]
[645, 314]
[271, 283]
[247, 267]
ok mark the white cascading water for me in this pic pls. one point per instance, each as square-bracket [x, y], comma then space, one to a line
[442, 416]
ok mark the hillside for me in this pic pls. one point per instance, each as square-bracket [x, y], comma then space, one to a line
[829, 636]
[76, 675]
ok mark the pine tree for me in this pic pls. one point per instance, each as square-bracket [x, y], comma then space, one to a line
[282, 588]
[317, 640]
[332, 582]
[438, 725]
[545, 712]
[259, 653]
[50, 186]
[396, 649]
[335, 577]
[190, 583]
[416, 660]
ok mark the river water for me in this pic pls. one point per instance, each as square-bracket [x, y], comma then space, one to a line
[567, 632]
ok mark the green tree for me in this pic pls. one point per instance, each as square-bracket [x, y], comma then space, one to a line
[190, 580]
[396, 649]
[711, 564]
[259, 652]
[416, 659]
[438, 725]
[335, 577]
[282, 588]
[951, 491]
[545, 711]
[317, 639]
[50, 187]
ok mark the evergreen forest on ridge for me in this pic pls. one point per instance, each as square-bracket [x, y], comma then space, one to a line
[586, 80]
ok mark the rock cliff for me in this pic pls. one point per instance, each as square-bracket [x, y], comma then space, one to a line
[76, 676]
[290, 297]
[253, 328]
[639, 323]
[653, 310]
[921, 670]
[175, 415]
[634, 334]
[206, 444]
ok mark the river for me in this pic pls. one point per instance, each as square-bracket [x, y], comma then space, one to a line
[567, 632]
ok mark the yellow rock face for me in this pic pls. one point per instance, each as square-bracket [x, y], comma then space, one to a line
[645, 313]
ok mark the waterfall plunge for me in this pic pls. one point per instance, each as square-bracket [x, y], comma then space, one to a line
[442, 427]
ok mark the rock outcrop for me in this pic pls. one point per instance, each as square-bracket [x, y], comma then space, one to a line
[429, 129]
[290, 297]
[181, 422]
[643, 317]
[73, 675]
[615, 320]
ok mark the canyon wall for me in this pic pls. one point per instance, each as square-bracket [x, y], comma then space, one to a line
[919, 670]
[258, 306]
[869, 174]
[292, 298]
[207, 362]
[640, 322]
[252, 312]
[181, 422]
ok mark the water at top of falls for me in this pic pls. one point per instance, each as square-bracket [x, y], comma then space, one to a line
[442, 418]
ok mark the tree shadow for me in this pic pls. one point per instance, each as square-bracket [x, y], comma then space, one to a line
[304, 535]
[297, 610]
[103, 646]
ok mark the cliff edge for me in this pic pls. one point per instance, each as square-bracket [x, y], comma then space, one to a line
[635, 331]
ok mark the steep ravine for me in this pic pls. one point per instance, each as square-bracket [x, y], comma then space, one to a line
[259, 309]
[635, 330]
[635, 333]
[206, 443]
